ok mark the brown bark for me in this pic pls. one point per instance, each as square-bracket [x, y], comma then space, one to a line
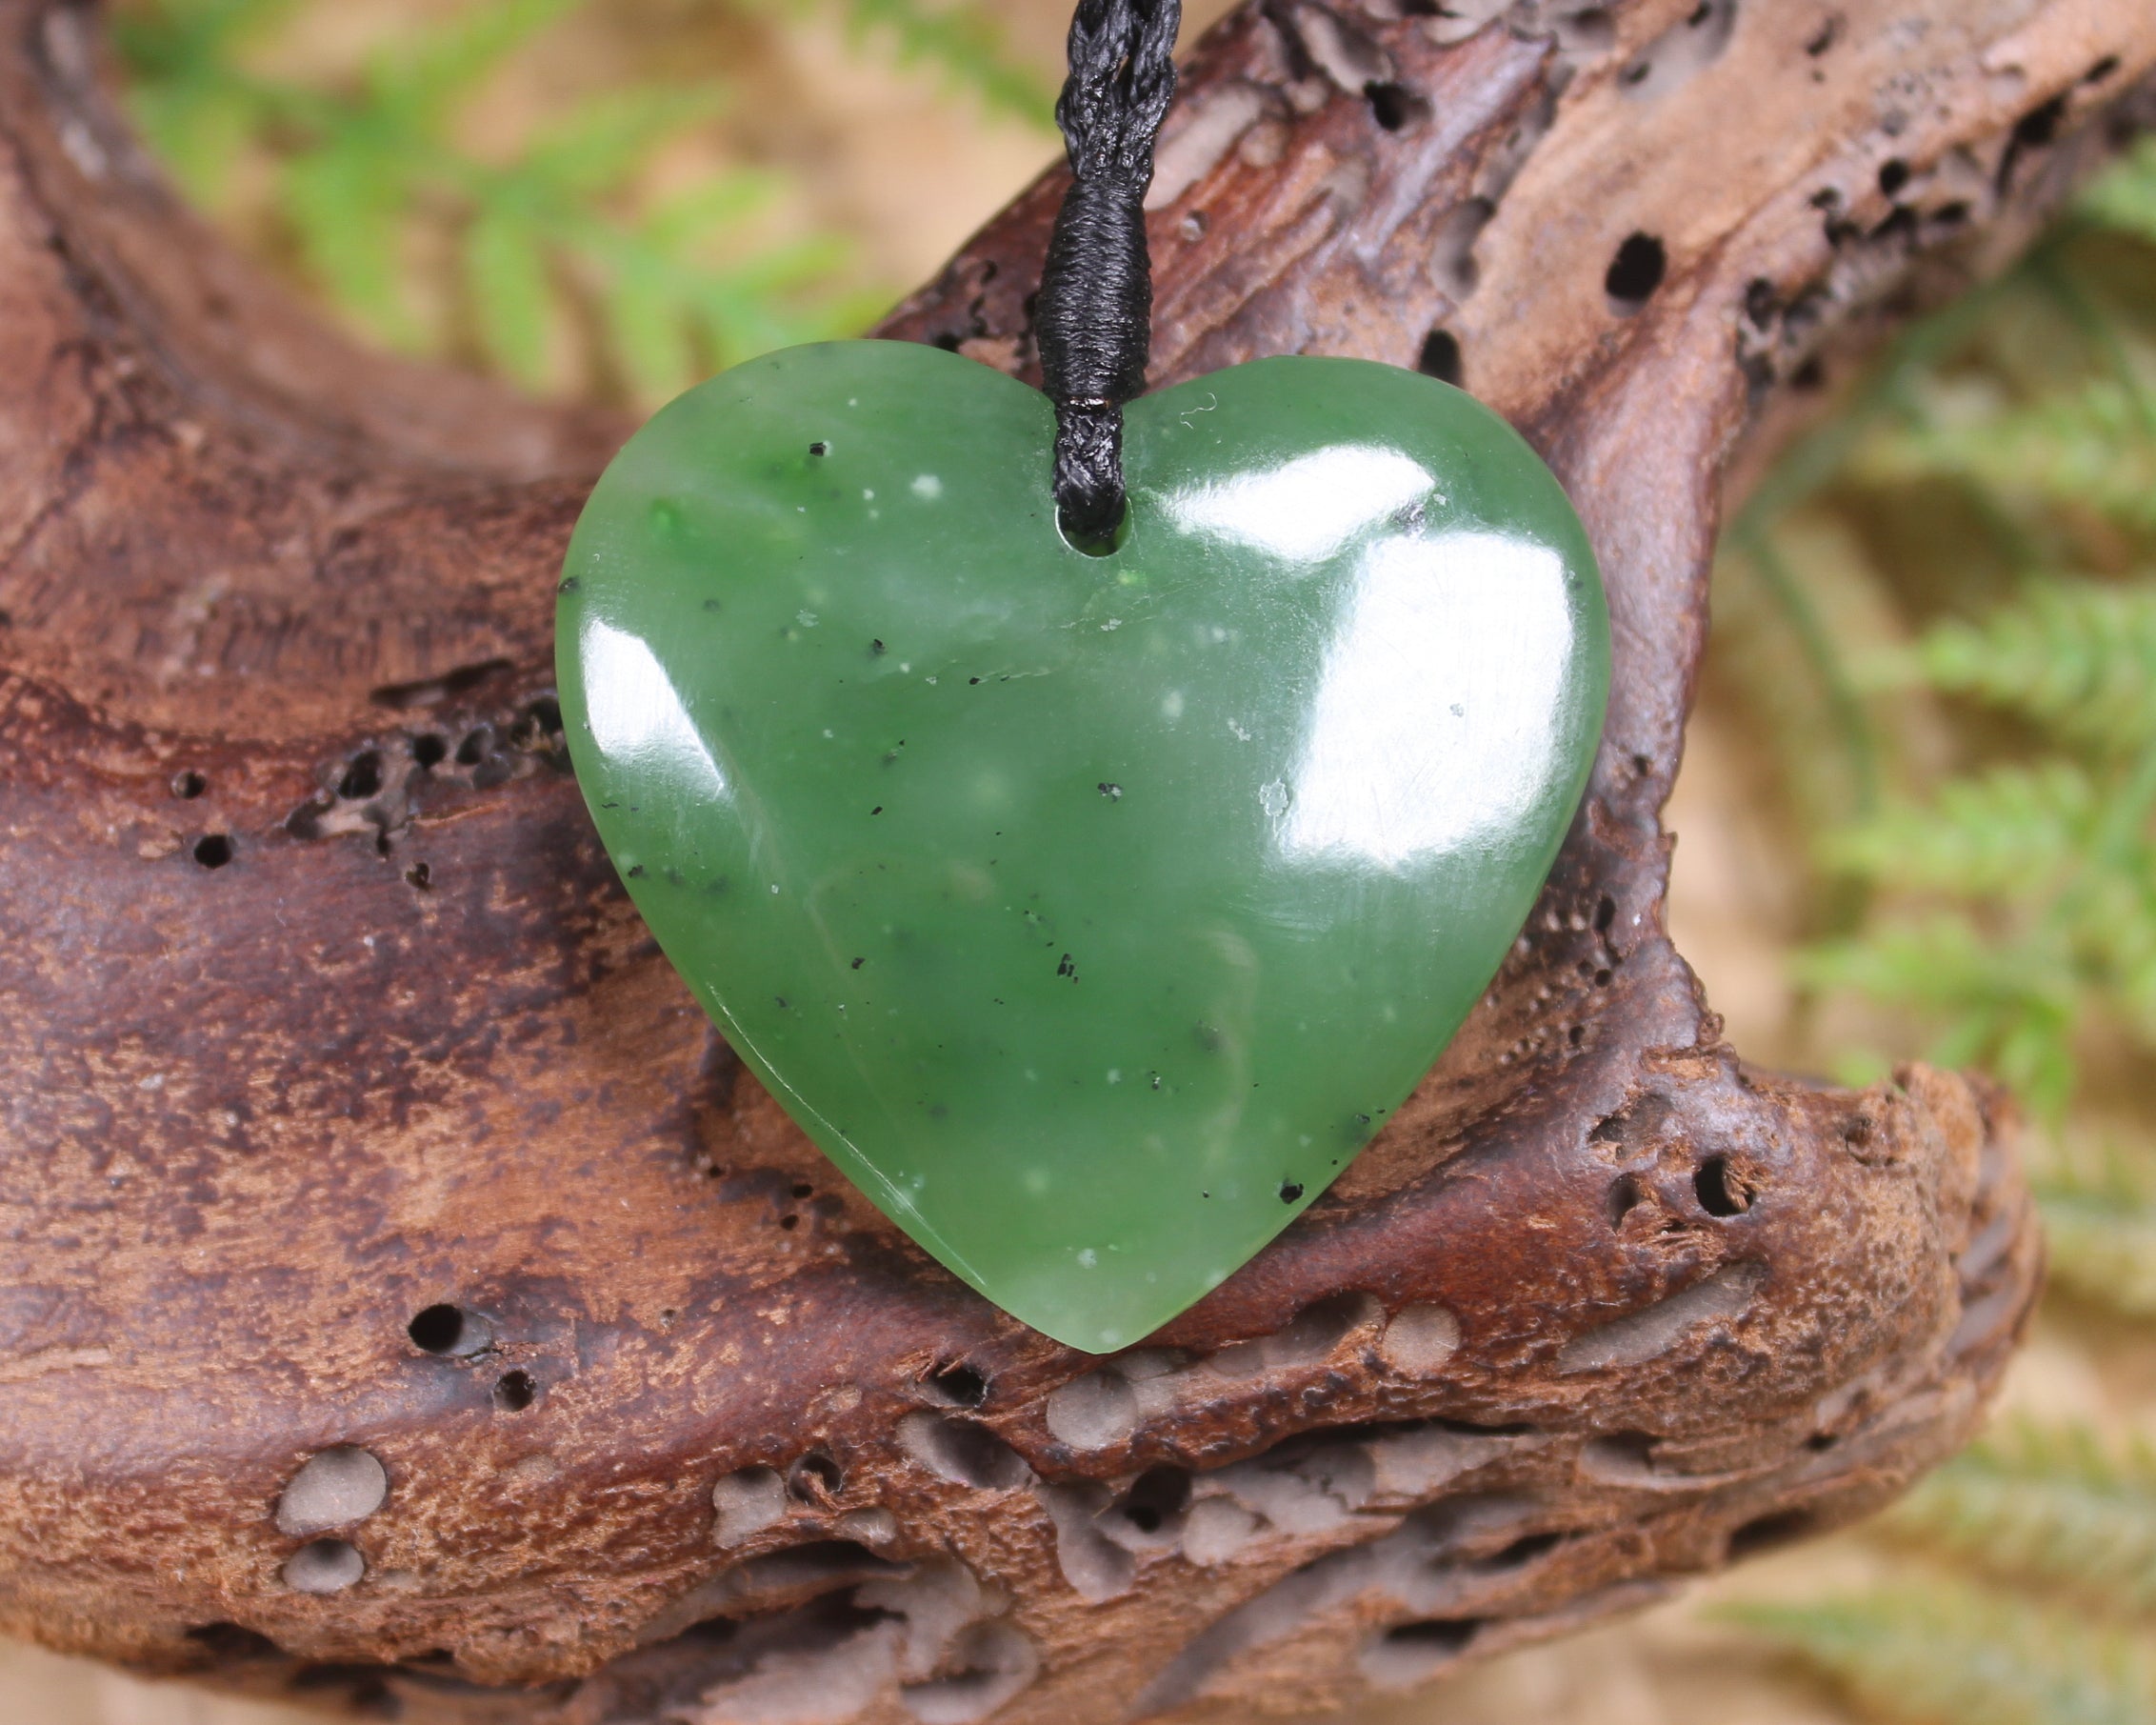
[1603, 1308]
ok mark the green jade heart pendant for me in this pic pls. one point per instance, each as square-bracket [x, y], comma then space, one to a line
[1089, 911]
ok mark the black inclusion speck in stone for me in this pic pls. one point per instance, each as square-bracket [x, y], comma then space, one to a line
[781, 999]
[819, 449]
[859, 962]
[1291, 1191]
[877, 810]
[634, 871]
[972, 679]
[876, 647]
[1113, 793]
[1067, 968]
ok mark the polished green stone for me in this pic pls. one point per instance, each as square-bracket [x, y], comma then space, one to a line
[1089, 911]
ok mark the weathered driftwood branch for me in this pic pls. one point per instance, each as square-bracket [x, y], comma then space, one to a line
[347, 1105]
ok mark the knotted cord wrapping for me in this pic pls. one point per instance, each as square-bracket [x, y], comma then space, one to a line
[1094, 319]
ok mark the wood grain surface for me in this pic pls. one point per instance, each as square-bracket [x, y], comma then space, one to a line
[324, 1007]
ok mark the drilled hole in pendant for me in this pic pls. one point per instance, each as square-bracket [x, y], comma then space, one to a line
[1099, 545]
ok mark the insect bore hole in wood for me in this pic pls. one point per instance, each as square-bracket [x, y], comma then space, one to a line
[1395, 106]
[362, 778]
[1440, 357]
[958, 1386]
[1635, 272]
[449, 1332]
[1720, 1193]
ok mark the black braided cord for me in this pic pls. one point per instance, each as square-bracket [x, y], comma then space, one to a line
[1094, 320]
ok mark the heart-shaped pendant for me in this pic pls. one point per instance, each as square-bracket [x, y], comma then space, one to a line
[1091, 913]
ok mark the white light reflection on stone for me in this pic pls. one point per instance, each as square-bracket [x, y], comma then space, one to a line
[1308, 508]
[1439, 703]
[635, 712]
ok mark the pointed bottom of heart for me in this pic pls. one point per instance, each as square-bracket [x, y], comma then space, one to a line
[1091, 913]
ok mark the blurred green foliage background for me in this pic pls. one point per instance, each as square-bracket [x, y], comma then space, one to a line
[620, 239]
[1934, 659]
[1941, 613]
